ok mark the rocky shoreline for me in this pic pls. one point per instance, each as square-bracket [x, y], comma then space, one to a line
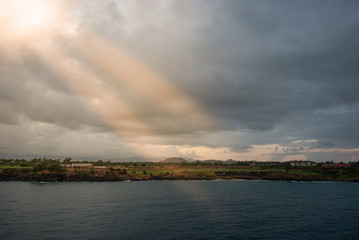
[225, 175]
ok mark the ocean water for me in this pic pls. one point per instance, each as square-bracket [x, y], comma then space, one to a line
[179, 210]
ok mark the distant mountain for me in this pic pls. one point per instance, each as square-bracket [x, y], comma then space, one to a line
[211, 161]
[174, 160]
[229, 161]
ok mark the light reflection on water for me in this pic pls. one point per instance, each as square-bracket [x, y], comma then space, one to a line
[179, 210]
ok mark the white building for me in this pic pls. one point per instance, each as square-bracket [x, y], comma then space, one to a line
[78, 165]
[301, 163]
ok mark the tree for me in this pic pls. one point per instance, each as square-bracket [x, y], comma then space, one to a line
[99, 163]
[67, 160]
[287, 168]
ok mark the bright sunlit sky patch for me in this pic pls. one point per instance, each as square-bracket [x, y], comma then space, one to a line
[146, 80]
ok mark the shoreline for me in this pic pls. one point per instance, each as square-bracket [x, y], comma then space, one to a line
[249, 176]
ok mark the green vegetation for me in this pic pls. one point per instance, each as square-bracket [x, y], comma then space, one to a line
[184, 170]
[14, 166]
[47, 164]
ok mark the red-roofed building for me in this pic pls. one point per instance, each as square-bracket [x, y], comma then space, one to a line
[341, 165]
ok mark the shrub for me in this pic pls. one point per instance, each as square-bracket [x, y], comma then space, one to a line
[39, 167]
[6, 170]
[83, 173]
[25, 170]
[122, 171]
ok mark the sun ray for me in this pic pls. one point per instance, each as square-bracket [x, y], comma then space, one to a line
[113, 111]
[125, 68]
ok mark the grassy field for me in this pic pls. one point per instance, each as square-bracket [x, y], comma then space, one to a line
[204, 170]
[303, 172]
[211, 170]
[14, 166]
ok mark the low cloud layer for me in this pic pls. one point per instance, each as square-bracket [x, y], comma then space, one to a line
[265, 80]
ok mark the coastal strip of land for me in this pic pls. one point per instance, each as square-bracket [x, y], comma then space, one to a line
[67, 170]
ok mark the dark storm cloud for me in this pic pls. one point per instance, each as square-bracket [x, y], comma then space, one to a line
[252, 64]
[281, 59]
[260, 65]
[332, 127]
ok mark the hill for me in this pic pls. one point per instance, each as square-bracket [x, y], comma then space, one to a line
[174, 160]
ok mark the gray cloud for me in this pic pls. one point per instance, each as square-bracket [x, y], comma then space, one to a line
[266, 72]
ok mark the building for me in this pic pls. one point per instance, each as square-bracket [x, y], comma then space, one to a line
[301, 163]
[79, 165]
[341, 165]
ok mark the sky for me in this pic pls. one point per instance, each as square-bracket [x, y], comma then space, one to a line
[265, 80]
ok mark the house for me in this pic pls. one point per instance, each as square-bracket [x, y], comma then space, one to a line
[341, 165]
[301, 163]
[78, 165]
[327, 165]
